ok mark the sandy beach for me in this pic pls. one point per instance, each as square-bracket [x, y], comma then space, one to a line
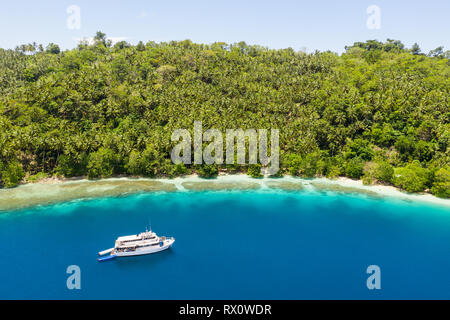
[53, 190]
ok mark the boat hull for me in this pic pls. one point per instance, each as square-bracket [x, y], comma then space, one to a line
[143, 251]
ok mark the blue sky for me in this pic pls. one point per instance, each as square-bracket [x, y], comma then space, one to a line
[302, 25]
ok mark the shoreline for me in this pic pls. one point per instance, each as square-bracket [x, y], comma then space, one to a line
[54, 190]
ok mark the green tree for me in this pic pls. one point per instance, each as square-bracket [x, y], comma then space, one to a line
[208, 170]
[294, 164]
[11, 174]
[101, 164]
[354, 168]
[412, 177]
[359, 148]
[71, 165]
[415, 49]
[52, 48]
[179, 170]
[135, 165]
[378, 171]
[140, 46]
[441, 184]
[254, 171]
[437, 53]
[121, 45]
[405, 145]
[151, 161]
[100, 38]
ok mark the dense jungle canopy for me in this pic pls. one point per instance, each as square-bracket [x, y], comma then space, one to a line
[378, 112]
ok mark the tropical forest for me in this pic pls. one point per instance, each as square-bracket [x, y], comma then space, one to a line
[378, 112]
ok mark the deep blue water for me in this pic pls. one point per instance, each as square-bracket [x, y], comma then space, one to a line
[230, 245]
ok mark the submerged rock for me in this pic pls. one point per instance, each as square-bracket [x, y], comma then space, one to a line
[41, 194]
[285, 185]
[343, 189]
[220, 185]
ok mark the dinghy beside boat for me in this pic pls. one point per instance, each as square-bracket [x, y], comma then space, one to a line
[109, 257]
[102, 253]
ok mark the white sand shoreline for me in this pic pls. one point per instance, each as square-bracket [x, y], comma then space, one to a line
[53, 190]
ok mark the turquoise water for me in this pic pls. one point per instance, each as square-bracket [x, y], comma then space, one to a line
[230, 245]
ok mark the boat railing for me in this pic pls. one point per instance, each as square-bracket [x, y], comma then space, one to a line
[166, 238]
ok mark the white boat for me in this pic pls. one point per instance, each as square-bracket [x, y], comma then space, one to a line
[143, 243]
